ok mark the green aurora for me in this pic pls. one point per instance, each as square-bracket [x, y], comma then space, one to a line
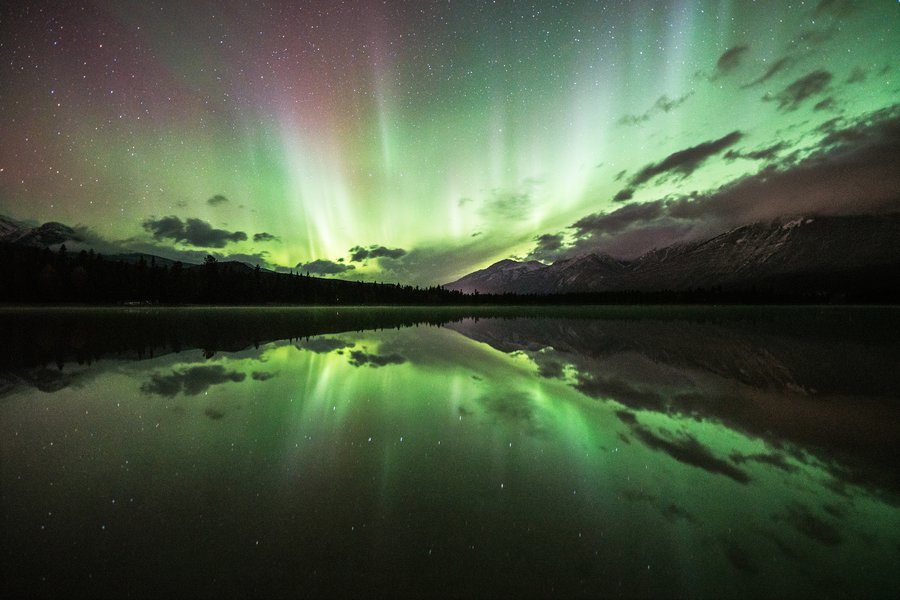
[416, 142]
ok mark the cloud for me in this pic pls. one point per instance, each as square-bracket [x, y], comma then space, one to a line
[191, 381]
[324, 267]
[663, 104]
[769, 153]
[857, 75]
[623, 195]
[193, 232]
[507, 206]
[547, 247]
[217, 200]
[811, 38]
[776, 67]
[685, 161]
[826, 104]
[801, 89]
[617, 220]
[262, 375]
[360, 254]
[854, 169]
[264, 237]
[731, 59]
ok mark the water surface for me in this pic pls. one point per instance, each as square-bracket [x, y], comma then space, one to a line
[500, 452]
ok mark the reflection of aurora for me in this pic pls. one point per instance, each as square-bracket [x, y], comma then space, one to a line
[727, 457]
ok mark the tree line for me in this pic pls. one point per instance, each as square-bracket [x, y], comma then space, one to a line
[31, 275]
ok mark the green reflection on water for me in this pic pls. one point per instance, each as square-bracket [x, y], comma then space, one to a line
[550, 456]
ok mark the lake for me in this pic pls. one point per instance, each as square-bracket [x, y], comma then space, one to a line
[582, 451]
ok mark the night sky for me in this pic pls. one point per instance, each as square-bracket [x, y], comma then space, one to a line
[418, 141]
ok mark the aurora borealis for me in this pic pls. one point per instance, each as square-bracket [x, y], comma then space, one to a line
[418, 141]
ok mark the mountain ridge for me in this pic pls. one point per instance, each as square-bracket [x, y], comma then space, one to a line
[797, 254]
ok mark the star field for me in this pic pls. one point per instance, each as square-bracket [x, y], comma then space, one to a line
[439, 137]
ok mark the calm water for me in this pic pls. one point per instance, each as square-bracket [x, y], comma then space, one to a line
[543, 452]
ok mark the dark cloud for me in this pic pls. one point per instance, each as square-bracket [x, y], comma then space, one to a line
[857, 75]
[507, 206]
[217, 200]
[685, 161]
[191, 381]
[623, 195]
[801, 89]
[689, 451]
[808, 39]
[194, 232]
[854, 170]
[731, 59]
[549, 241]
[826, 104]
[264, 237]
[620, 175]
[360, 254]
[769, 153]
[663, 104]
[776, 67]
[618, 219]
[324, 267]
[261, 376]
[547, 247]
[358, 358]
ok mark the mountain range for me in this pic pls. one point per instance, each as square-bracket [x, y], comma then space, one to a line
[813, 254]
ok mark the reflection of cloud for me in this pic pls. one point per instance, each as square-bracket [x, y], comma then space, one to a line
[323, 345]
[689, 451]
[774, 459]
[191, 381]
[813, 527]
[671, 512]
[358, 358]
[739, 558]
[213, 414]
[515, 408]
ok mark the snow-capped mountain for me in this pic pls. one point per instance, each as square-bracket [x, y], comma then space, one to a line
[804, 254]
[46, 235]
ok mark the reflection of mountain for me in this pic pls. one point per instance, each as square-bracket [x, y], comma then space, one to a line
[36, 338]
[829, 255]
[824, 384]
